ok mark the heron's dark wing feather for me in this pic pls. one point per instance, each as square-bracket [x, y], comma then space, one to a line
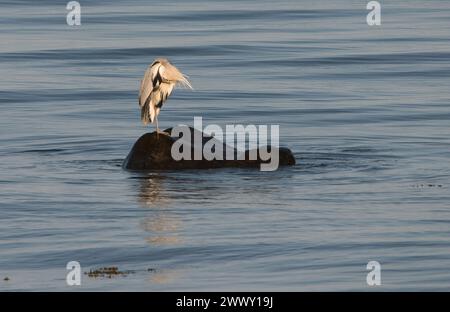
[161, 93]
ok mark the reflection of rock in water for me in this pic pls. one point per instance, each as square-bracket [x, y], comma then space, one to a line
[162, 226]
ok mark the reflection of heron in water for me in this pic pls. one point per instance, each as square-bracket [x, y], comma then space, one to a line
[150, 194]
[159, 80]
[162, 226]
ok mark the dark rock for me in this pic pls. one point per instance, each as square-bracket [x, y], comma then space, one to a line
[152, 151]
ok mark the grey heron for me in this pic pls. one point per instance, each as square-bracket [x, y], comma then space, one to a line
[159, 80]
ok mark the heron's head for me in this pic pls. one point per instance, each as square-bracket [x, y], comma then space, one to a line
[160, 60]
[170, 72]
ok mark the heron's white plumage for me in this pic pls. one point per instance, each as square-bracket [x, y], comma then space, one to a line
[159, 80]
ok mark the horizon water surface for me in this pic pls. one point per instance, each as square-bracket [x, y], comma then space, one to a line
[365, 110]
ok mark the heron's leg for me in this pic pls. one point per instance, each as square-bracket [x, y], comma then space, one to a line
[157, 128]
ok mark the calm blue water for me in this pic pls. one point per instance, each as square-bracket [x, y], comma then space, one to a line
[365, 109]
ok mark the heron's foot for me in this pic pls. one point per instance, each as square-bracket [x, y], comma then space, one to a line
[158, 132]
[161, 132]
